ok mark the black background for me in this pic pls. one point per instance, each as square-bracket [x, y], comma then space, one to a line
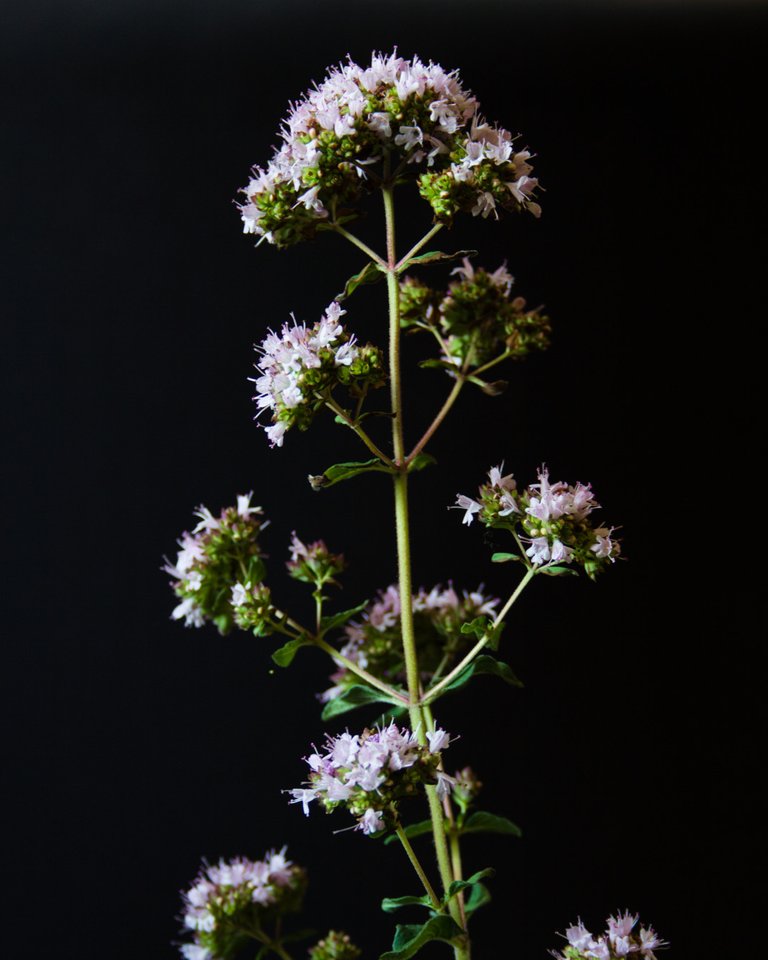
[136, 747]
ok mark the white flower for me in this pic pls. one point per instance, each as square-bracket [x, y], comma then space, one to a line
[279, 868]
[469, 505]
[579, 937]
[444, 784]
[239, 594]
[438, 740]
[371, 821]
[302, 796]
[192, 613]
[539, 550]
[192, 951]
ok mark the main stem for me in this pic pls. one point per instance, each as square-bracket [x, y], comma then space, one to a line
[400, 482]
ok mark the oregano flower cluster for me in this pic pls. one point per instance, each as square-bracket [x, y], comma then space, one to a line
[232, 902]
[550, 521]
[411, 116]
[619, 940]
[370, 773]
[374, 642]
[477, 319]
[219, 569]
[300, 368]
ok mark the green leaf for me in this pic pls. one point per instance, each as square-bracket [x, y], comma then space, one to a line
[390, 904]
[436, 256]
[354, 696]
[283, 657]
[434, 363]
[483, 627]
[458, 885]
[414, 830]
[558, 571]
[481, 822]
[343, 471]
[411, 937]
[337, 619]
[477, 898]
[485, 664]
[503, 557]
[420, 461]
[371, 273]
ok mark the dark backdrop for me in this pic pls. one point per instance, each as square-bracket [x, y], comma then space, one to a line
[136, 747]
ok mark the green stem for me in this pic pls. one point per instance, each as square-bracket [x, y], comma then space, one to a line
[444, 410]
[359, 671]
[457, 873]
[332, 405]
[359, 244]
[400, 481]
[403, 263]
[433, 693]
[491, 363]
[416, 864]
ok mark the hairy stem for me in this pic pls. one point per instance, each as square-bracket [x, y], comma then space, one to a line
[435, 691]
[359, 244]
[416, 247]
[416, 864]
[332, 405]
[442, 414]
[400, 481]
[359, 671]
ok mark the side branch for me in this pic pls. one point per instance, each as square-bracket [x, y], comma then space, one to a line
[359, 671]
[442, 414]
[435, 691]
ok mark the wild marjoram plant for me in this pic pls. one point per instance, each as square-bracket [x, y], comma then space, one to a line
[366, 130]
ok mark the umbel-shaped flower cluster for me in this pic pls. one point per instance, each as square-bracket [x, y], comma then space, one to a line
[374, 642]
[396, 118]
[477, 321]
[619, 940]
[550, 521]
[300, 369]
[371, 773]
[234, 901]
[219, 569]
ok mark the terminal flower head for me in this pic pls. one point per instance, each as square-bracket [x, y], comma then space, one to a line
[336, 137]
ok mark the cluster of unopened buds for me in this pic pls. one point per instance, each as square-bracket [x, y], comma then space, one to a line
[477, 321]
[550, 521]
[619, 940]
[300, 368]
[374, 642]
[396, 117]
[314, 563]
[236, 899]
[369, 774]
[219, 569]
